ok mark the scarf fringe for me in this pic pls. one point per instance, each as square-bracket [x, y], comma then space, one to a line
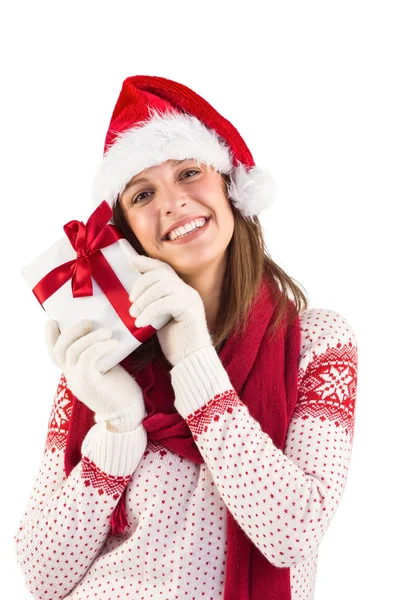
[119, 520]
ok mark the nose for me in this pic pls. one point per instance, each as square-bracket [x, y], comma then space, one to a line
[171, 197]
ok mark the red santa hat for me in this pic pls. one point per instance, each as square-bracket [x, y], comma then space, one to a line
[156, 119]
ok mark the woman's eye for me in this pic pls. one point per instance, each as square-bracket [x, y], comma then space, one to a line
[191, 171]
[139, 196]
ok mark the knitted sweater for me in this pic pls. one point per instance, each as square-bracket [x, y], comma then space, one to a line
[175, 546]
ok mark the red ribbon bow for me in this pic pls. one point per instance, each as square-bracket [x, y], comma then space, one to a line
[88, 240]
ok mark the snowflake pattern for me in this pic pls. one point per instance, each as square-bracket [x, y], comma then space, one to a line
[59, 418]
[328, 390]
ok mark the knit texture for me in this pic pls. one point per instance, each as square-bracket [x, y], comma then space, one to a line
[176, 545]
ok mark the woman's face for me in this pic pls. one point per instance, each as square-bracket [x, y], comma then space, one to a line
[155, 199]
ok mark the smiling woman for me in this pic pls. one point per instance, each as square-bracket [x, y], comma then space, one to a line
[194, 468]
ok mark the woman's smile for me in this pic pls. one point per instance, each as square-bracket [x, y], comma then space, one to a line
[193, 235]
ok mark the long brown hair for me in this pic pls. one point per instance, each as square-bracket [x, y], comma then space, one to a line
[248, 262]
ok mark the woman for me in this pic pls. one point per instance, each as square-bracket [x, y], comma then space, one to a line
[210, 463]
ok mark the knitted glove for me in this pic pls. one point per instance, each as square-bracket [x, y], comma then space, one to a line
[115, 396]
[160, 291]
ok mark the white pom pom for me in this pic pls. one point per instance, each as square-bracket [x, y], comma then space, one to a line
[252, 191]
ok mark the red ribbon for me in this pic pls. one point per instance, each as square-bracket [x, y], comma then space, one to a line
[88, 240]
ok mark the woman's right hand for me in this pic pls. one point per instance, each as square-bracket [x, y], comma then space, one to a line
[115, 396]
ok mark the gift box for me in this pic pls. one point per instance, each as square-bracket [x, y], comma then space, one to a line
[87, 275]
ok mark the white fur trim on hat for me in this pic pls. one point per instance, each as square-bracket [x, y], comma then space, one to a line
[178, 136]
[170, 136]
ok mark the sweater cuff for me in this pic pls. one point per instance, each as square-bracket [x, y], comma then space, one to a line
[197, 379]
[115, 453]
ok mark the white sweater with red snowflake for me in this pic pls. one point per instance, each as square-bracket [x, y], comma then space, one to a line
[176, 544]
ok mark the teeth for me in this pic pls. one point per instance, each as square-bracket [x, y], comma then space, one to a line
[181, 231]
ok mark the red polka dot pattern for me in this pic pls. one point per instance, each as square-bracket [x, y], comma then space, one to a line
[175, 546]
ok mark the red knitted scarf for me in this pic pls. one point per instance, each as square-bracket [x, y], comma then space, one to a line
[263, 371]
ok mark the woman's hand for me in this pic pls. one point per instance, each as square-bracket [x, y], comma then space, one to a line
[114, 396]
[160, 291]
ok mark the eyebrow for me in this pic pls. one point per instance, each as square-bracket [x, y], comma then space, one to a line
[145, 179]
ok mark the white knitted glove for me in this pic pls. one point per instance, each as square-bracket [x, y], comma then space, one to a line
[160, 291]
[115, 396]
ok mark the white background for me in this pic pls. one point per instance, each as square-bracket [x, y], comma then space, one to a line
[313, 87]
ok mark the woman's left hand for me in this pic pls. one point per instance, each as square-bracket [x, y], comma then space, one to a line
[160, 291]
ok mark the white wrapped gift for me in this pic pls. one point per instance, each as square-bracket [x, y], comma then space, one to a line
[61, 277]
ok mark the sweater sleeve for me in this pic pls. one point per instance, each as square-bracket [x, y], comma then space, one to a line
[67, 519]
[283, 500]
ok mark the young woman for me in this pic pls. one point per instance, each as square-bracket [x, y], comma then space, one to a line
[210, 462]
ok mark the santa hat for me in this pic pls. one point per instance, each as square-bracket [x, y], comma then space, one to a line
[156, 119]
